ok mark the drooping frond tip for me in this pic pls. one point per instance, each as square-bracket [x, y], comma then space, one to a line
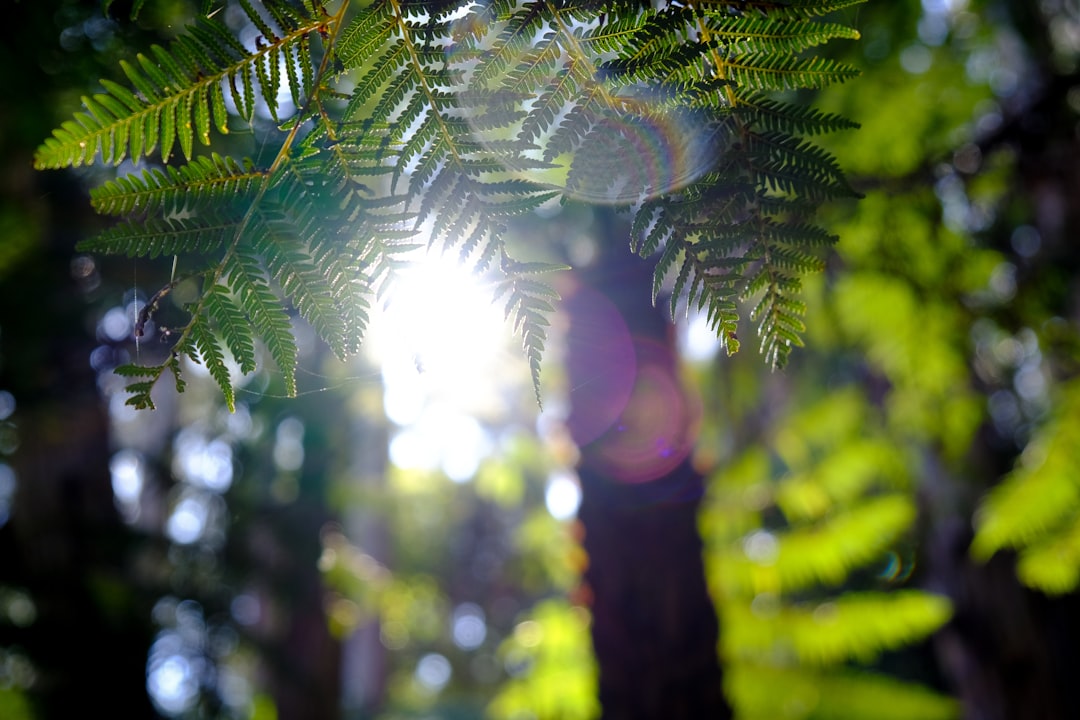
[529, 302]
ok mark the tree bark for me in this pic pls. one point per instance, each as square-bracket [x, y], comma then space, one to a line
[655, 630]
[65, 544]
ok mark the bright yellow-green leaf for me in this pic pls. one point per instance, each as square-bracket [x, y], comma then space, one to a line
[854, 626]
[836, 695]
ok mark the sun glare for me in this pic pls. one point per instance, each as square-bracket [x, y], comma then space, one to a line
[446, 357]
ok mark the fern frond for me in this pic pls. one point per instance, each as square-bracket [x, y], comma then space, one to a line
[772, 73]
[843, 475]
[529, 302]
[301, 280]
[364, 36]
[1040, 498]
[785, 164]
[176, 93]
[455, 120]
[832, 694]
[785, 9]
[774, 116]
[136, 371]
[750, 35]
[154, 237]
[839, 511]
[1051, 564]
[249, 282]
[854, 626]
[235, 330]
[205, 181]
[821, 553]
[140, 392]
[205, 349]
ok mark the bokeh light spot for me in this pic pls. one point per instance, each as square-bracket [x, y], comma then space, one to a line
[245, 609]
[697, 341]
[468, 627]
[916, 59]
[126, 471]
[761, 547]
[171, 686]
[394, 635]
[440, 331]
[7, 404]
[203, 463]
[116, 325]
[17, 608]
[528, 633]
[445, 439]
[7, 491]
[188, 520]
[563, 495]
[289, 445]
[433, 671]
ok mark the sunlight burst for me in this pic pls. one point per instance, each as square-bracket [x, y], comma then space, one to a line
[444, 350]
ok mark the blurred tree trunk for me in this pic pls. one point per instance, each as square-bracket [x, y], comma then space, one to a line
[654, 627]
[1009, 652]
[65, 543]
[275, 543]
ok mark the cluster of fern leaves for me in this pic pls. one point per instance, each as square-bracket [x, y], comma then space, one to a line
[808, 549]
[407, 122]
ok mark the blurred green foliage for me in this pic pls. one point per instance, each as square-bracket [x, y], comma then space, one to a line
[1036, 508]
[806, 538]
[555, 672]
[930, 333]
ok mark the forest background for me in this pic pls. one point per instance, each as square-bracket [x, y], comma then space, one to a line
[889, 524]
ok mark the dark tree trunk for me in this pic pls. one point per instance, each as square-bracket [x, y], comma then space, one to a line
[65, 544]
[1009, 653]
[654, 630]
[275, 545]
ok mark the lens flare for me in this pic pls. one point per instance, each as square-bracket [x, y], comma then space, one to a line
[654, 433]
[590, 138]
[629, 415]
[639, 151]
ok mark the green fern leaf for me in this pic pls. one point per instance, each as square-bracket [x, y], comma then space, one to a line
[300, 279]
[748, 35]
[172, 84]
[529, 302]
[204, 182]
[855, 626]
[235, 330]
[1040, 498]
[1051, 564]
[248, 281]
[155, 237]
[368, 31]
[137, 371]
[140, 395]
[794, 8]
[207, 350]
[832, 694]
[773, 116]
[822, 553]
[772, 73]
